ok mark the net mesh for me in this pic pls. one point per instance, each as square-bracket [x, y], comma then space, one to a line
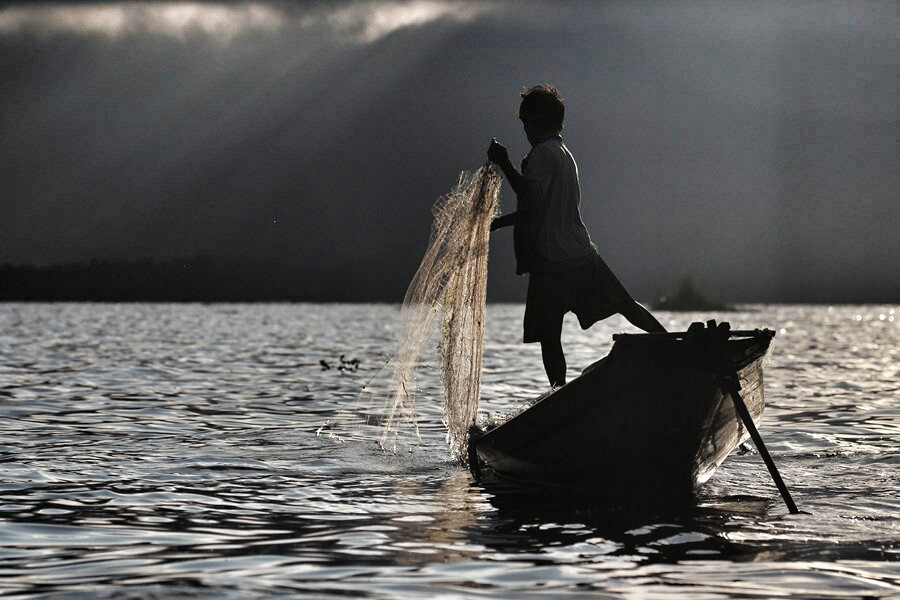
[449, 288]
[450, 284]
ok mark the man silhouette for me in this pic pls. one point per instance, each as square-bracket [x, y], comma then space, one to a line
[552, 244]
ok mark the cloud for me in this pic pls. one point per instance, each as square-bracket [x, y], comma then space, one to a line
[174, 19]
[371, 21]
[356, 22]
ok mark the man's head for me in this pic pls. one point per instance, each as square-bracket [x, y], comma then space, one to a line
[542, 112]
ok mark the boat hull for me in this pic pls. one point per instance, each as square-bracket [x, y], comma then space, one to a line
[649, 420]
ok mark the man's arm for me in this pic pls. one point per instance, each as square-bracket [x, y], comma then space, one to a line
[504, 221]
[498, 155]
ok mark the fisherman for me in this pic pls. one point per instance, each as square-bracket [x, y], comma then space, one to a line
[551, 242]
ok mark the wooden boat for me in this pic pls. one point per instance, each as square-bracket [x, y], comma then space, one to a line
[648, 421]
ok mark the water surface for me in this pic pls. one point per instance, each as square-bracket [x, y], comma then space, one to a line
[172, 450]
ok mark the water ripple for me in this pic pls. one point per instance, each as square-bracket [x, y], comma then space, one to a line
[166, 450]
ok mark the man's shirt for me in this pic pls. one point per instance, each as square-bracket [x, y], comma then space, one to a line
[550, 233]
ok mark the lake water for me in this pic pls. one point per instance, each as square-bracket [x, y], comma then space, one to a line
[171, 450]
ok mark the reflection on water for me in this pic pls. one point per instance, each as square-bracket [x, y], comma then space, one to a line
[171, 449]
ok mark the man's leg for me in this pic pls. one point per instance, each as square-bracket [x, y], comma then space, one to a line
[545, 307]
[614, 293]
[641, 318]
[554, 362]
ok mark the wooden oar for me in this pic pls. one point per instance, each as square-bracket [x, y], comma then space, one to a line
[730, 384]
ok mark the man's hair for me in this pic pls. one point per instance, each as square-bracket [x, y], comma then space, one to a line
[543, 106]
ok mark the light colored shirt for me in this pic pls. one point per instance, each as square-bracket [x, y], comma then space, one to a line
[552, 202]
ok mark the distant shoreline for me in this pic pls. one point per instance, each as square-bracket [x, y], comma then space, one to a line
[225, 280]
[200, 279]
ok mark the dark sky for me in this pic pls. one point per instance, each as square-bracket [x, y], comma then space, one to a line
[753, 145]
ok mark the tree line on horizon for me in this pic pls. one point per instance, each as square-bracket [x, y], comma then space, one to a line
[200, 279]
[221, 279]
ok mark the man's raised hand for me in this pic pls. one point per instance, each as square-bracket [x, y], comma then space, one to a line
[497, 153]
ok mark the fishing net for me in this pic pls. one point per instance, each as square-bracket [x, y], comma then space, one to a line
[450, 284]
[449, 288]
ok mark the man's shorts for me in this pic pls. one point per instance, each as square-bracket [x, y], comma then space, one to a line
[586, 287]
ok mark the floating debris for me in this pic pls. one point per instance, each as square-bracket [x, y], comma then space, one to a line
[345, 364]
[348, 365]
